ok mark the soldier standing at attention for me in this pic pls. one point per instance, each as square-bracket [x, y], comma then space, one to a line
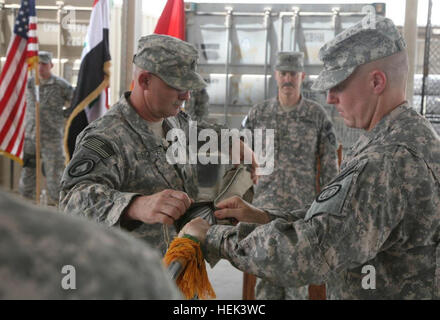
[55, 92]
[374, 231]
[304, 136]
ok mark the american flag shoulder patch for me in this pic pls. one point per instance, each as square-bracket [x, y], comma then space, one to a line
[103, 149]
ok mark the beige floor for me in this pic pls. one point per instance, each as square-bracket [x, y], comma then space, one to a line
[226, 280]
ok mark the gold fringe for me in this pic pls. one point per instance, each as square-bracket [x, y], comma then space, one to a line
[194, 279]
[11, 156]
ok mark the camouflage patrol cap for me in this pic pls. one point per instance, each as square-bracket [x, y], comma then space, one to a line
[362, 43]
[290, 61]
[44, 56]
[171, 59]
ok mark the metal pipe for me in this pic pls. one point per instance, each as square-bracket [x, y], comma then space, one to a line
[17, 6]
[238, 14]
[281, 33]
[426, 58]
[228, 25]
[2, 35]
[267, 26]
[336, 20]
[283, 13]
[176, 268]
[294, 28]
[410, 35]
[60, 5]
[323, 14]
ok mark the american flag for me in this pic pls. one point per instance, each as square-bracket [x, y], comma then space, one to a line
[13, 79]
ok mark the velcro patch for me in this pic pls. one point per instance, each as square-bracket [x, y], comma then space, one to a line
[82, 167]
[332, 198]
[100, 147]
[328, 193]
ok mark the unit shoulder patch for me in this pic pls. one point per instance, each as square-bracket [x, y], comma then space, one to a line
[81, 168]
[332, 198]
[328, 193]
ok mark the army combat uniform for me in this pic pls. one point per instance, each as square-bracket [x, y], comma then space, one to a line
[374, 231]
[121, 156]
[55, 92]
[46, 255]
[303, 134]
[117, 158]
[198, 105]
[382, 210]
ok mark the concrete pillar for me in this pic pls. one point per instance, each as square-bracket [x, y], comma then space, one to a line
[115, 39]
[410, 35]
[128, 42]
[128, 9]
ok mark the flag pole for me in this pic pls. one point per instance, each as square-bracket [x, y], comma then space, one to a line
[37, 134]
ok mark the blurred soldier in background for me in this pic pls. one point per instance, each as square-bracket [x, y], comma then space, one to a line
[47, 255]
[55, 92]
[305, 144]
[198, 105]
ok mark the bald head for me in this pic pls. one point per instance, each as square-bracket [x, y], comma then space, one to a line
[395, 68]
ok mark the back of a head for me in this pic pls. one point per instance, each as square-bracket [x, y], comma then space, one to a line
[395, 68]
[38, 244]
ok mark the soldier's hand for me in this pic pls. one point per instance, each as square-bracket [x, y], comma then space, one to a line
[163, 207]
[197, 228]
[237, 208]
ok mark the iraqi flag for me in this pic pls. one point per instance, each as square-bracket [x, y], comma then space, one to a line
[90, 100]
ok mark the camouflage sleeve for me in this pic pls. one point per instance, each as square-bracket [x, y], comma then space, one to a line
[327, 153]
[285, 214]
[29, 136]
[248, 121]
[67, 96]
[68, 93]
[355, 215]
[92, 180]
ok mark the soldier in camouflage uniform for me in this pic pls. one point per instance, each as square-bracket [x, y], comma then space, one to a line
[374, 231]
[55, 92]
[303, 134]
[119, 173]
[198, 105]
[36, 245]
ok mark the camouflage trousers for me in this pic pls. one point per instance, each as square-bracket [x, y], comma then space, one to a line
[266, 290]
[53, 167]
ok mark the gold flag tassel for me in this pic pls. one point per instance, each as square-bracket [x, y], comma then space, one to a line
[193, 281]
